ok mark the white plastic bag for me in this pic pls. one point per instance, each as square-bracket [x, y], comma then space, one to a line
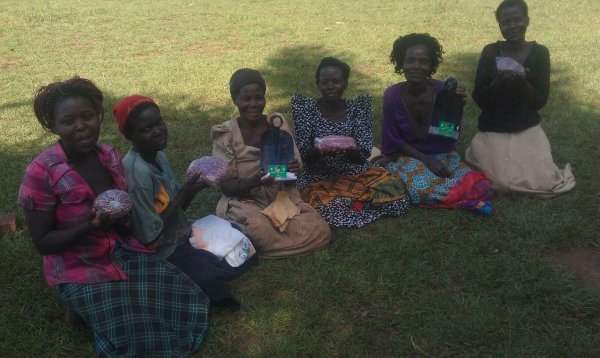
[213, 234]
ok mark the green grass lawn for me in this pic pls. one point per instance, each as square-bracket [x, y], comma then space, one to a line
[431, 283]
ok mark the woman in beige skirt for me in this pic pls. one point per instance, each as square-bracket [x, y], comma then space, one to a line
[511, 86]
[271, 214]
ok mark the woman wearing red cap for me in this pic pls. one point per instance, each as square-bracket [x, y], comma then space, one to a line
[134, 303]
[159, 201]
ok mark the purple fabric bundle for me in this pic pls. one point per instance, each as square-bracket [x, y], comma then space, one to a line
[210, 170]
[510, 65]
[335, 144]
[112, 204]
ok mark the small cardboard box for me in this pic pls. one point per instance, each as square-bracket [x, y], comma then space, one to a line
[8, 223]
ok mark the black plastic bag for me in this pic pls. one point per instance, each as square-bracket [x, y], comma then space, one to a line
[277, 149]
[447, 111]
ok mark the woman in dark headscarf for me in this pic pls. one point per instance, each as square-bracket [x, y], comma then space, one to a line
[271, 214]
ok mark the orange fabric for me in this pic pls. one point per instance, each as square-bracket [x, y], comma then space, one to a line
[162, 200]
[376, 185]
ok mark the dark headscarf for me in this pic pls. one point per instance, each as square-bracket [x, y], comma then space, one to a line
[242, 77]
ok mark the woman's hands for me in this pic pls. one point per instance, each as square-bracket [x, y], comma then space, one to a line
[461, 91]
[351, 154]
[354, 156]
[97, 221]
[192, 186]
[48, 240]
[382, 160]
[438, 168]
[122, 226]
[513, 79]
[263, 178]
[293, 166]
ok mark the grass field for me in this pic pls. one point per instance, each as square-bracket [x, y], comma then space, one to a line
[432, 283]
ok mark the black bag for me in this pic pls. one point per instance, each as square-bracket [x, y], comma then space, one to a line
[277, 149]
[447, 111]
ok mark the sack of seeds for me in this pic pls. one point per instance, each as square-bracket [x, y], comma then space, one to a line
[210, 170]
[112, 204]
[335, 144]
[510, 65]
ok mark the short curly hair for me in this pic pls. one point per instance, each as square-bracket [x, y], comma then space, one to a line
[333, 62]
[507, 3]
[48, 97]
[402, 44]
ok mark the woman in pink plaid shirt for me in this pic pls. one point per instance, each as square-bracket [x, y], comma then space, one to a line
[135, 303]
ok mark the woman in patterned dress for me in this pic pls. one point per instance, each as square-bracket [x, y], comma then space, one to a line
[432, 172]
[342, 187]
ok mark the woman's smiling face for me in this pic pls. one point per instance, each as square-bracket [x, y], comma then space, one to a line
[417, 65]
[332, 83]
[149, 132]
[513, 23]
[77, 124]
[251, 102]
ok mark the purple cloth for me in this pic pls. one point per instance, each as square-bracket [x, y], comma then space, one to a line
[397, 129]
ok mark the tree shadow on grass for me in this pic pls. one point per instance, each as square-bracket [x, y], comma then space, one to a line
[523, 227]
[292, 70]
[363, 306]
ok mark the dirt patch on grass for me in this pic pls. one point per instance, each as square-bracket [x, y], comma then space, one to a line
[249, 340]
[585, 263]
[213, 47]
[10, 61]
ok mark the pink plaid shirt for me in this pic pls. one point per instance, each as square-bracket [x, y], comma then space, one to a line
[50, 184]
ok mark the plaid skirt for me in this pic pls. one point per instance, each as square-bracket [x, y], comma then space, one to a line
[156, 312]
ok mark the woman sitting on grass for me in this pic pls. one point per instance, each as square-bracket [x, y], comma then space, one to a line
[433, 173]
[342, 187]
[251, 200]
[135, 303]
[511, 146]
[159, 201]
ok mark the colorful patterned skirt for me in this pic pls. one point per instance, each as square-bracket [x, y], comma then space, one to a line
[465, 188]
[356, 200]
[157, 312]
